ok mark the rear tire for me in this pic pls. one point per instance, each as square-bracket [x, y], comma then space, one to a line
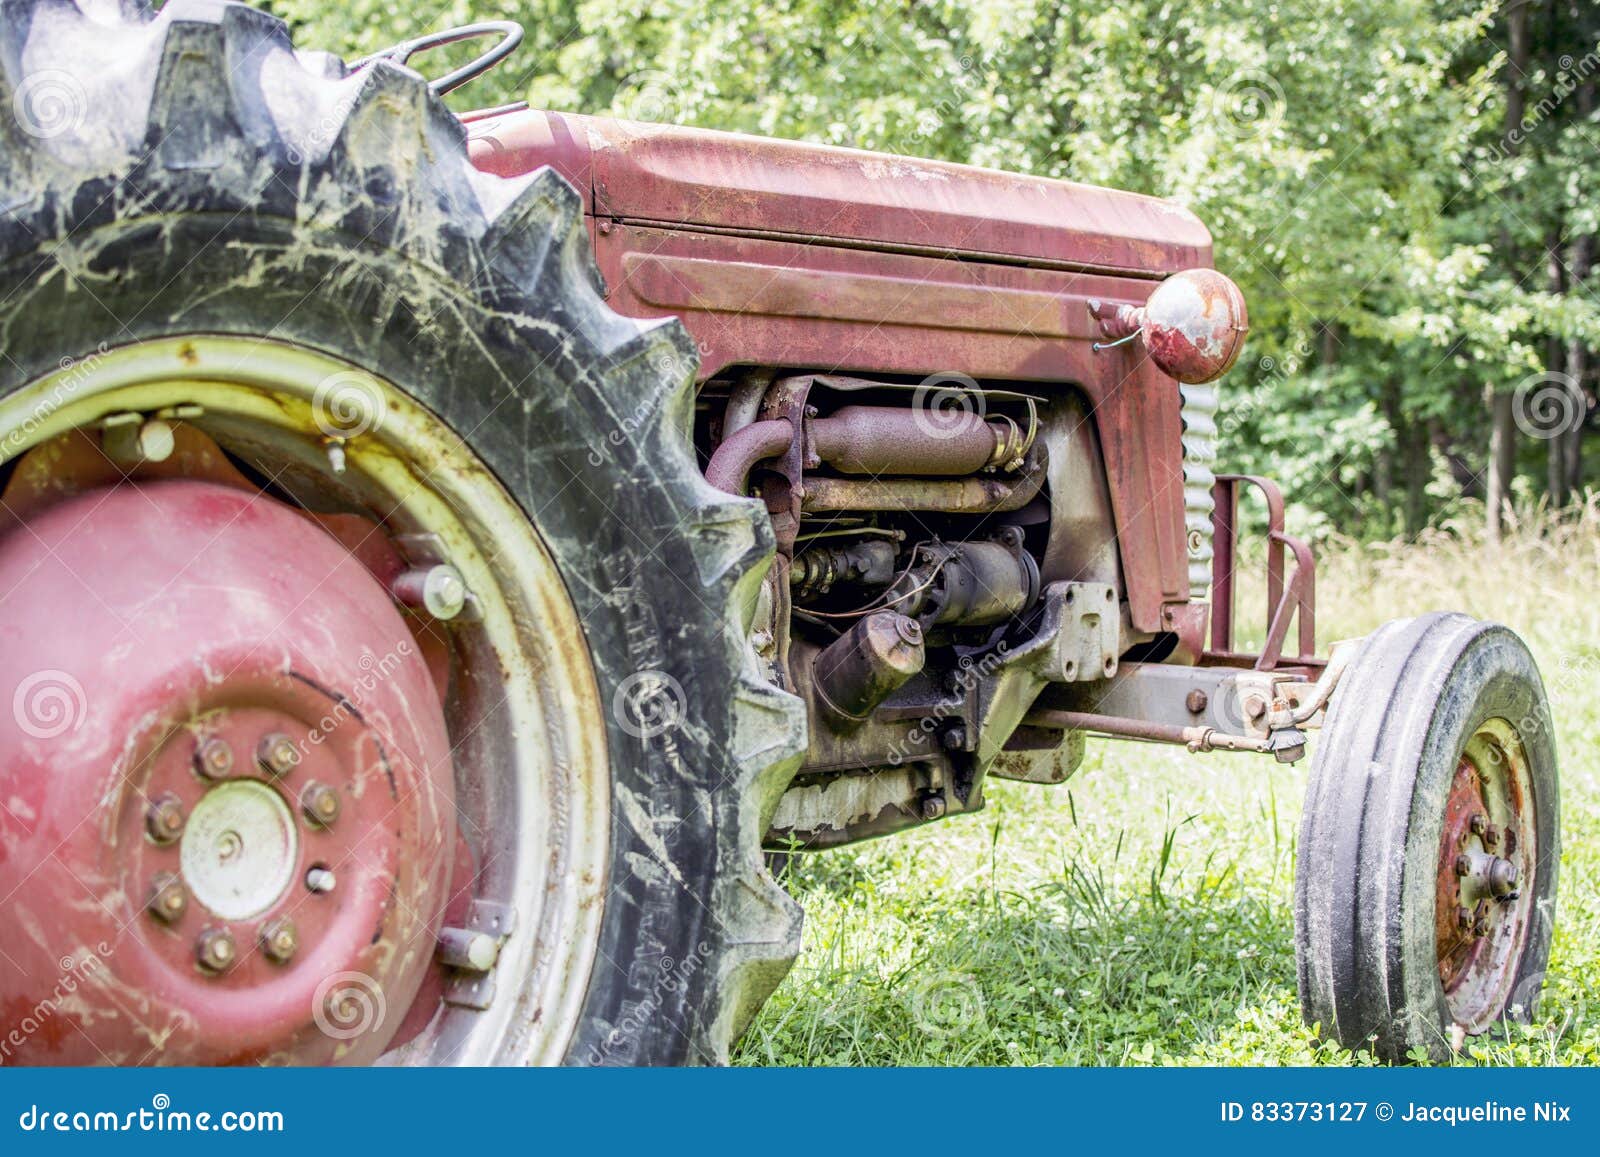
[1437, 754]
[192, 174]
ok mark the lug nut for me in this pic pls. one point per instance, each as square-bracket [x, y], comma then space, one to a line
[1463, 865]
[1502, 877]
[213, 759]
[320, 803]
[439, 590]
[1491, 836]
[163, 819]
[215, 950]
[279, 940]
[320, 880]
[1464, 918]
[168, 901]
[1477, 824]
[276, 754]
[933, 806]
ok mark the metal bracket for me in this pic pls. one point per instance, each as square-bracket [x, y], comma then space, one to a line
[471, 962]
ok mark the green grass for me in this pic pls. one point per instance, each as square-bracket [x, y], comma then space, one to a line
[1142, 913]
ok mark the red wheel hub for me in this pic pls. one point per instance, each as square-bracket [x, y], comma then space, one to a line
[228, 820]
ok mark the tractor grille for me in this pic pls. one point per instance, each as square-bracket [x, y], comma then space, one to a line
[1199, 412]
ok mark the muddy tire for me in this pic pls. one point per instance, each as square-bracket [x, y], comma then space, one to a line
[191, 173]
[1426, 879]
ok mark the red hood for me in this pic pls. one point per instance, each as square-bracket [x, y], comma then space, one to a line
[707, 180]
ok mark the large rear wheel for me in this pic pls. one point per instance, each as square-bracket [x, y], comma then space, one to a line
[376, 650]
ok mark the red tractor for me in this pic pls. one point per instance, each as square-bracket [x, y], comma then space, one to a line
[443, 558]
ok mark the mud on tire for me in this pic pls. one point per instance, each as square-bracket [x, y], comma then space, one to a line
[192, 173]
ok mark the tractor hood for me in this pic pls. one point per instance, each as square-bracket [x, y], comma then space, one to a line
[760, 186]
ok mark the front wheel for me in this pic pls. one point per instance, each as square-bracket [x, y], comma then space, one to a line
[1426, 882]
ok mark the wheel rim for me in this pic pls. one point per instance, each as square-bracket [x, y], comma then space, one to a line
[1487, 857]
[523, 701]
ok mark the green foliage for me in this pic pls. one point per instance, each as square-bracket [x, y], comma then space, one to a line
[1352, 160]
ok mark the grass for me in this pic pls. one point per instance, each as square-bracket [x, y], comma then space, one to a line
[1142, 913]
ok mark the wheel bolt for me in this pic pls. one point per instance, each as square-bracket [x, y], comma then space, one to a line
[279, 940]
[213, 759]
[439, 590]
[1463, 865]
[276, 754]
[1464, 918]
[1477, 824]
[163, 819]
[320, 803]
[1502, 877]
[1491, 836]
[168, 900]
[320, 880]
[215, 950]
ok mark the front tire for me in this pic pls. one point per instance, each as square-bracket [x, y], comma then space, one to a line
[1426, 880]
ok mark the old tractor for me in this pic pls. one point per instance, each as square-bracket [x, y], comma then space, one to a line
[443, 558]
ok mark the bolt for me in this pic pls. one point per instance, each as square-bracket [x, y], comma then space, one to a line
[933, 805]
[276, 754]
[213, 758]
[1463, 865]
[1491, 836]
[1464, 918]
[215, 950]
[1255, 707]
[164, 818]
[320, 880]
[1480, 926]
[1196, 701]
[320, 803]
[133, 442]
[468, 949]
[168, 900]
[279, 940]
[1477, 824]
[909, 630]
[1502, 877]
[439, 590]
[955, 739]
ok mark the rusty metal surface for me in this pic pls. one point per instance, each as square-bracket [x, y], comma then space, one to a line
[1290, 597]
[944, 495]
[707, 179]
[246, 624]
[1193, 325]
